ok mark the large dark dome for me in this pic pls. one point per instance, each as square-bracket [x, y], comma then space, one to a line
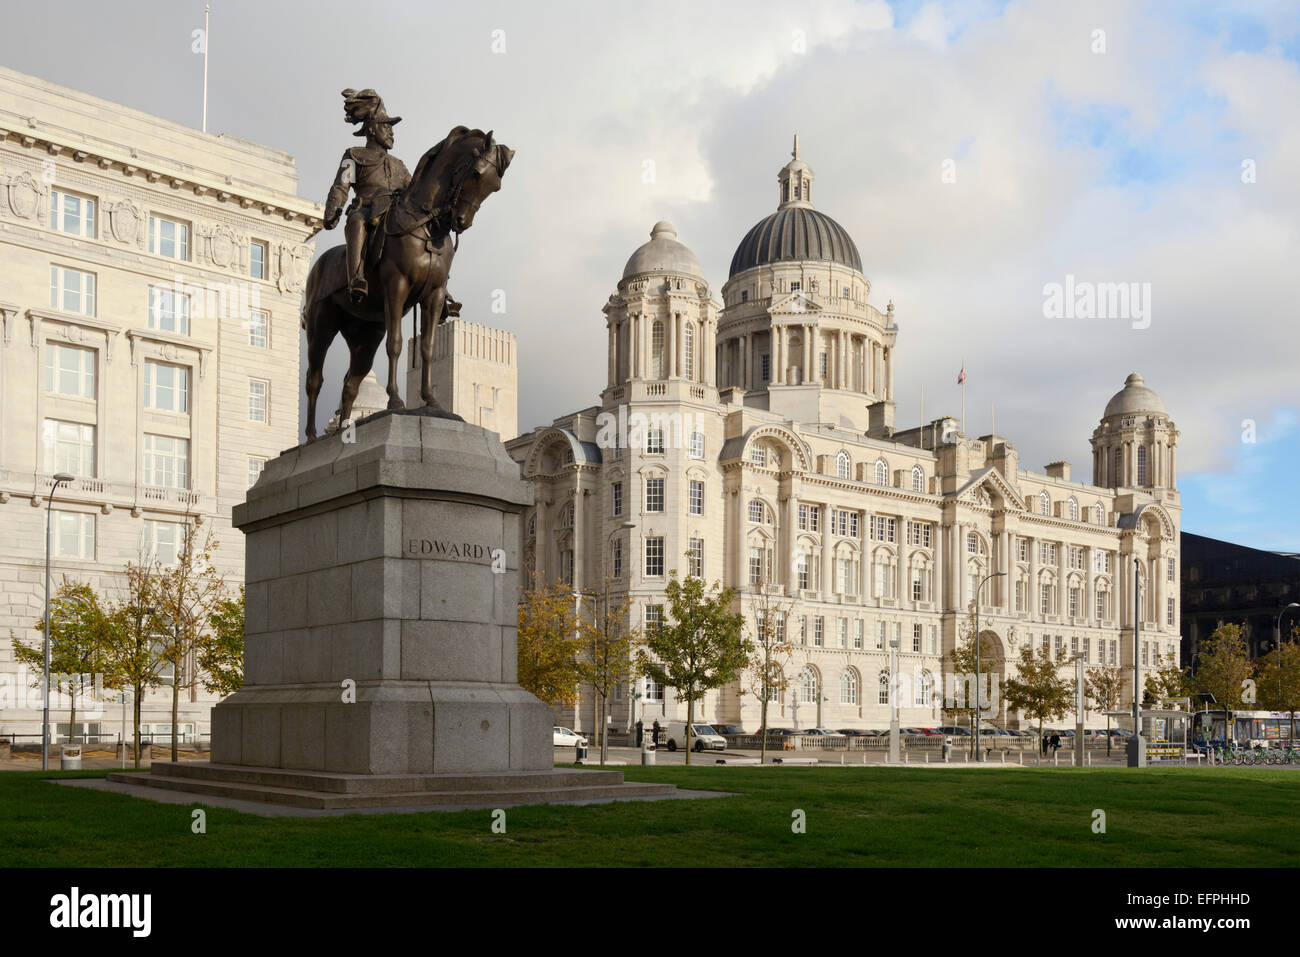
[795, 232]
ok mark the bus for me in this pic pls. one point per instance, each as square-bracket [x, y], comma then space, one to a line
[1249, 728]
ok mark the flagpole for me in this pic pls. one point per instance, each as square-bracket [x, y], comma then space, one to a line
[922, 405]
[993, 414]
[963, 396]
[207, 10]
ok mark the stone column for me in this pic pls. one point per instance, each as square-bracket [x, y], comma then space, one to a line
[828, 577]
[579, 526]
[742, 538]
[670, 345]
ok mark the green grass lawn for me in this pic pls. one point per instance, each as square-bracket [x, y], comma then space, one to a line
[1228, 817]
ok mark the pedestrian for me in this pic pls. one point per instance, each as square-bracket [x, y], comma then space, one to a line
[1056, 743]
[1046, 740]
[655, 730]
[640, 731]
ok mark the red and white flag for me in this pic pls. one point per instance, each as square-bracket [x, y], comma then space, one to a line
[961, 378]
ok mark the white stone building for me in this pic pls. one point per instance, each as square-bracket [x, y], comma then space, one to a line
[775, 468]
[150, 280]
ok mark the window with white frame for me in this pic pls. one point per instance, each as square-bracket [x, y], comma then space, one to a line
[696, 497]
[258, 395]
[1099, 514]
[169, 310]
[257, 259]
[166, 387]
[883, 574]
[883, 687]
[688, 350]
[884, 529]
[810, 518]
[617, 552]
[859, 630]
[918, 479]
[1169, 611]
[1076, 601]
[924, 688]
[695, 558]
[1047, 553]
[844, 523]
[1022, 549]
[843, 632]
[807, 685]
[1020, 594]
[654, 441]
[70, 370]
[73, 214]
[1047, 598]
[882, 472]
[757, 512]
[757, 455]
[1087, 650]
[934, 640]
[168, 237]
[566, 516]
[755, 565]
[917, 636]
[918, 533]
[256, 466]
[843, 465]
[616, 497]
[882, 635]
[801, 570]
[69, 447]
[166, 461]
[1103, 604]
[259, 321]
[72, 290]
[1072, 509]
[697, 445]
[848, 686]
[1044, 504]
[163, 541]
[654, 556]
[73, 535]
[1142, 465]
[654, 495]
[1169, 569]
[819, 631]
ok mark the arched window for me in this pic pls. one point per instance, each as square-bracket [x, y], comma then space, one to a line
[566, 516]
[757, 512]
[924, 689]
[1044, 503]
[1072, 508]
[657, 349]
[532, 526]
[1142, 465]
[882, 472]
[848, 686]
[843, 466]
[808, 685]
[918, 479]
[884, 687]
[688, 350]
[1099, 514]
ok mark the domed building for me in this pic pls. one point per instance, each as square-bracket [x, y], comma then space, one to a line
[750, 440]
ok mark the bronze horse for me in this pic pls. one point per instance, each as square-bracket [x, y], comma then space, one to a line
[407, 264]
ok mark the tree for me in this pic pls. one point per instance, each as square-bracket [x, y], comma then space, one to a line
[1104, 687]
[221, 659]
[701, 647]
[608, 650]
[133, 662]
[78, 636]
[1038, 688]
[548, 644]
[962, 657]
[1166, 681]
[1224, 669]
[188, 593]
[765, 669]
[1279, 678]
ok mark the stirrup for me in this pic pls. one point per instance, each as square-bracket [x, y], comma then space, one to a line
[358, 291]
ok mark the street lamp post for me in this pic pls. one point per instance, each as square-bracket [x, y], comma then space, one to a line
[60, 478]
[1278, 645]
[893, 701]
[979, 745]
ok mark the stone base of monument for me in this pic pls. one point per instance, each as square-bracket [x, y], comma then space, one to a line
[325, 791]
[381, 592]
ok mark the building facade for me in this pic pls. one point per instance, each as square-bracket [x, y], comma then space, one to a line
[751, 440]
[150, 281]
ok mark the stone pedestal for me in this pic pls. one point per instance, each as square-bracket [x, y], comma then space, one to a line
[381, 590]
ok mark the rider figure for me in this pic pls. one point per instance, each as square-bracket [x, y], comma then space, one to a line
[372, 173]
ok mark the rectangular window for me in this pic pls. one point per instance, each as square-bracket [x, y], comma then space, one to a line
[169, 238]
[72, 291]
[1087, 650]
[616, 493]
[566, 566]
[166, 461]
[618, 559]
[810, 518]
[654, 557]
[916, 639]
[1101, 606]
[918, 584]
[881, 632]
[654, 441]
[257, 260]
[1076, 557]
[654, 495]
[258, 324]
[1144, 652]
[697, 445]
[844, 632]
[859, 627]
[1022, 549]
[918, 533]
[166, 387]
[1045, 600]
[1114, 650]
[695, 557]
[169, 310]
[801, 570]
[1169, 569]
[767, 367]
[1074, 645]
[697, 497]
[256, 465]
[934, 640]
[821, 366]
[72, 214]
[257, 400]
[1058, 646]
[1074, 602]
[163, 541]
[819, 631]
[845, 523]
[654, 618]
[73, 535]
[69, 447]
[70, 370]
[884, 529]
[755, 565]
[1169, 611]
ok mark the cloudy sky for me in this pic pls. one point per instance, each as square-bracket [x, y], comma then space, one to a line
[1111, 141]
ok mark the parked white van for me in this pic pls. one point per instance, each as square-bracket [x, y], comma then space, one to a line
[702, 737]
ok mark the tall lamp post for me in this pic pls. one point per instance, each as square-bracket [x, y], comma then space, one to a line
[1280, 615]
[893, 701]
[979, 745]
[60, 478]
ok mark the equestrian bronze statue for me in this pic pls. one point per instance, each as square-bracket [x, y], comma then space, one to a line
[399, 248]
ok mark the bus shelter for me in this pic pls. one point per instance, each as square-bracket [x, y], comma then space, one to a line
[1167, 731]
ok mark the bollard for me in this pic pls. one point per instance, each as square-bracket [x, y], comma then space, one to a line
[841, 760]
[1022, 759]
[1004, 757]
[1055, 755]
[965, 756]
[907, 757]
[1089, 753]
[927, 757]
[864, 758]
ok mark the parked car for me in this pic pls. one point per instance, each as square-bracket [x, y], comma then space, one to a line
[564, 738]
[824, 733]
[853, 732]
[702, 737]
[953, 729]
[913, 732]
[727, 729]
[783, 732]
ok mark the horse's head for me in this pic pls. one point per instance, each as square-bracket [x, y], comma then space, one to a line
[477, 166]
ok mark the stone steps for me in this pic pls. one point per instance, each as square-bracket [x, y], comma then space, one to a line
[322, 791]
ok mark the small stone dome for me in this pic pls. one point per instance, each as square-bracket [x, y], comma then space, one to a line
[664, 254]
[1135, 397]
